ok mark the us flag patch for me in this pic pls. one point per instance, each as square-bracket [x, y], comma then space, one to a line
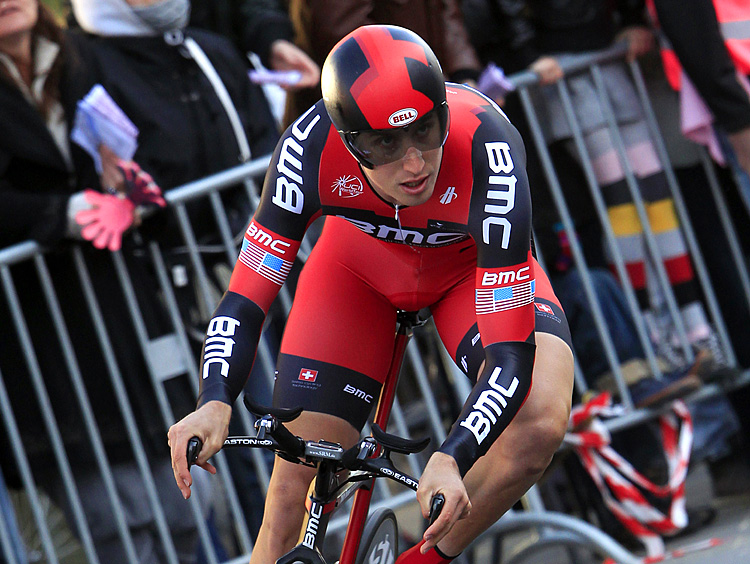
[491, 300]
[264, 263]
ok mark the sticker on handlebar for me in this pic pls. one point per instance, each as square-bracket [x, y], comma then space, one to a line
[249, 441]
[406, 480]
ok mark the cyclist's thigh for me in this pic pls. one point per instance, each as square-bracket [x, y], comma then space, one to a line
[456, 321]
[338, 339]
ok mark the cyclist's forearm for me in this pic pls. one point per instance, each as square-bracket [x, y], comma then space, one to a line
[229, 348]
[496, 398]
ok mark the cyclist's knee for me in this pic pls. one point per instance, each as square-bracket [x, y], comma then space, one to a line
[289, 484]
[527, 446]
[543, 437]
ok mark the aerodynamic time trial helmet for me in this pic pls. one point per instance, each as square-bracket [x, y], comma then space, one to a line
[384, 91]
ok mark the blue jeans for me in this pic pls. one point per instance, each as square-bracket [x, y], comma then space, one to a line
[740, 176]
[714, 423]
[714, 419]
[588, 347]
[7, 513]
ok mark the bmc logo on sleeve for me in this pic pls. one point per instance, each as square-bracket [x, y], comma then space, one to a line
[219, 344]
[503, 277]
[489, 407]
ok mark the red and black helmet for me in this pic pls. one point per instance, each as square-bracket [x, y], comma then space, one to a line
[386, 80]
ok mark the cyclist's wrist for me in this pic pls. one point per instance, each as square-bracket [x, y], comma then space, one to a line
[461, 453]
[217, 393]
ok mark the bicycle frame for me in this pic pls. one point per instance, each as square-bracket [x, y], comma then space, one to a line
[406, 323]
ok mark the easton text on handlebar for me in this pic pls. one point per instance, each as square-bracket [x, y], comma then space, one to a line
[370, 456]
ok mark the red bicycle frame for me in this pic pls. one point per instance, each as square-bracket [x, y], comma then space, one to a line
[361, 504]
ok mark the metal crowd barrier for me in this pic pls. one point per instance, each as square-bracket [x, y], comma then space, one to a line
[31, 529]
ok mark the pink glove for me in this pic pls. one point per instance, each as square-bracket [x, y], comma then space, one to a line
[106, 221]
[139, 185]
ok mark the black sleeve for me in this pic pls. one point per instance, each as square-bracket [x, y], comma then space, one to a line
[500, 224]
[494, 401]
[31, 215]
[631, 12]
[693, 30]
[229, 348]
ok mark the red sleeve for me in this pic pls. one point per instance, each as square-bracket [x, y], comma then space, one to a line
[263, 265]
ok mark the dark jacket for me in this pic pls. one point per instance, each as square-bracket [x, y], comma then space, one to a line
[184, 131]
[707, 62]
[35, 185]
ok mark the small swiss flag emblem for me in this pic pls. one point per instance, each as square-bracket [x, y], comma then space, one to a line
[307, 375]
[545, 308]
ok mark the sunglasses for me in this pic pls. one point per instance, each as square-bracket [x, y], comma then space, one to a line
[383, 146]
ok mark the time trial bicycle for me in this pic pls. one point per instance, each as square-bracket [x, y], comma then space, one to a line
[368, 540]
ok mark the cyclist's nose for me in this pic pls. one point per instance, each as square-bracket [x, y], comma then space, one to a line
[413, 160]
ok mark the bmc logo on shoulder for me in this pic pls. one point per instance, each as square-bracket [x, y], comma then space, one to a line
[289, 195]
[402, 117]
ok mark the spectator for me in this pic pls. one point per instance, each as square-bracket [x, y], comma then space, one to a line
[319, 26]
[153, 69]
[545, 37]
[718, 75]
[718, 66]
[41, 179]
[502, 36]
[258, 26]
[690, 168]
[717, 439]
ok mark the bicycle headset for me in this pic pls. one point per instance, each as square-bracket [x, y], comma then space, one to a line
[384, 91]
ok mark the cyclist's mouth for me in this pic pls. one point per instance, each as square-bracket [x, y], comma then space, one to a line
[415, 186]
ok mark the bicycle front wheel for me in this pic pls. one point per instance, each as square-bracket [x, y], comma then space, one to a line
[379, 544]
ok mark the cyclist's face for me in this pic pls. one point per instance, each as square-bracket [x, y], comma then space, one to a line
[409, 181]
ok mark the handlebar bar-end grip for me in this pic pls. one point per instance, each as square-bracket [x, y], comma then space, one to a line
[436, 507]
[194, 447]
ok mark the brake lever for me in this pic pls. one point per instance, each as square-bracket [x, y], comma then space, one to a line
[436, 507]
[194, 447]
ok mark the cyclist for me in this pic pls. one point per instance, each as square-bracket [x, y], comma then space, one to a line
[427, 204]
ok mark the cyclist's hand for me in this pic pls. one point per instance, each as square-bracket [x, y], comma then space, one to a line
[441, 476]
[210, 424]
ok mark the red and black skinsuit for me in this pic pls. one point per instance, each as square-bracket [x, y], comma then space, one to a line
[465, 253]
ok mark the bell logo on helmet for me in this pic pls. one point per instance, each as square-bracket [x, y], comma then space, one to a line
[403, 117]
